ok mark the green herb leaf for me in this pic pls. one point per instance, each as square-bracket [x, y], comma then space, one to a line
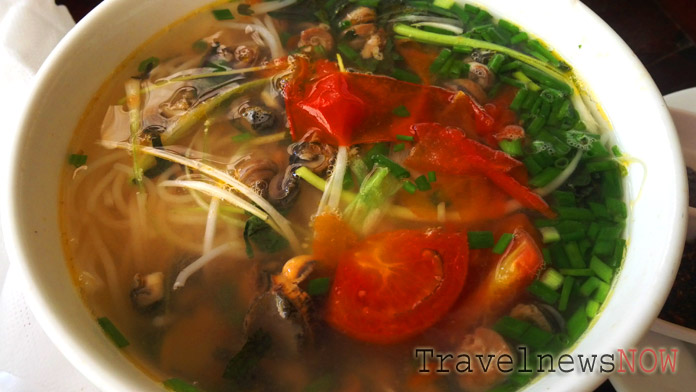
[318, 286]
[112, 332]
[77, 160]
[223, 14]
[200, 46]
[148, 64]
[263, 236]
[401, 111]
[243, 363]
[179, 385]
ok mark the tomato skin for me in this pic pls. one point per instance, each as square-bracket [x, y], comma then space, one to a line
[395, 285]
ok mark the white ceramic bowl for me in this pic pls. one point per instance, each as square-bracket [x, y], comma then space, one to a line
[89, 53]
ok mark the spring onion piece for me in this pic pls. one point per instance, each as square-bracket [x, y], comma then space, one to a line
[591, 308]
[179, 385]
[552, 278]
[112, 332]
[318, 286]
[446, 4]
[334, 186]
[577, 272]
[480, 239]
[405, 76]
[223, 14]
[589, 286]
[511, 147]
[577, 324]
[240, 367]
[601, 292]
[422, 183]
[77, 160]
[399, 147]
[432, 177]
[511, 327]
[410, 187]
[502, 243]
[396, 170]
[543, 292]
[133, 102]
[535, 337]
[401, 111]
[568, 282]
[365, 211]
[549, 234]
[600, 269]
[562, 177]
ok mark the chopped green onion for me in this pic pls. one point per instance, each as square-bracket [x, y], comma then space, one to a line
[616, 151]
[600, 269]
[349, 52]
[616, 208]
[502, 243]
[577, 324]
[576, 272]
[589, 286]
[511, 327]
[77, 160]
[591, 308]
[242, 137]
[481, 239]
[446, 4]
[565, 293]
[410, 187]
[575, 213]
[399, 147]
[199, 46]
[601, 292]
[508, 26]
[516, 103]
[543, 292]
[545, 177]
[223, 14]
[112, 332]
[496, 62]
[549, 234]
[597, 166]
[318, 286]
[432, 177]
[518, 38]
[511, 147]
[574, 256]
[405, 138]
[401, 111]
[552, 278]
[440, 60]
[546, 79]
[148, 64]
[535, 337]
[405, 76]
[422, 183]
[179, 385]
[397, 170]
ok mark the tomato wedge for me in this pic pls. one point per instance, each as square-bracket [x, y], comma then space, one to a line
[503, 284]
[448, 150]
[395, 285]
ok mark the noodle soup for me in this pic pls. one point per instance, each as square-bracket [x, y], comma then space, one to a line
[292, 195]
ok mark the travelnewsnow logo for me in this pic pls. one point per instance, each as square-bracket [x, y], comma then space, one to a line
[646, 360]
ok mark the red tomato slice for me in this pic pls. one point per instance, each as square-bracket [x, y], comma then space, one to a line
[502, 286]
[395, 285]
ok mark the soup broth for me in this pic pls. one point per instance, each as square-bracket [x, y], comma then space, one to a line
[300, 195]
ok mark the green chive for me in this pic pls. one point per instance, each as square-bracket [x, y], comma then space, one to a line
[574, 255]
[496, 62]
[405, 76]
[112, 332]
[446, 4]
[223, 14]
[511, 327]
[396, 170]
[549, 234]
[199, 46]
[398, 147]
[589, 286]
[545, 79]
[565, 293]
[591, 308]
[77, 160]
[545, 177]
[178, 385]
[405, 138]
[318, 286]
[575, 213]
[616, 208]
[432, 177]
[552, 278]
[511, 147]
[543, 292]
[502, 243]
[508, 26]
[242, 137]
[401, 111]
[577, 324]
[535, 337]
[516, 103]
[348, 52]
[410, 187]
[440, 60]
[616, 151]
[600, 269]
[518, 38]
[576, 272]
[480, 239]
[601, 292]
[422, 183]
[148, 64]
